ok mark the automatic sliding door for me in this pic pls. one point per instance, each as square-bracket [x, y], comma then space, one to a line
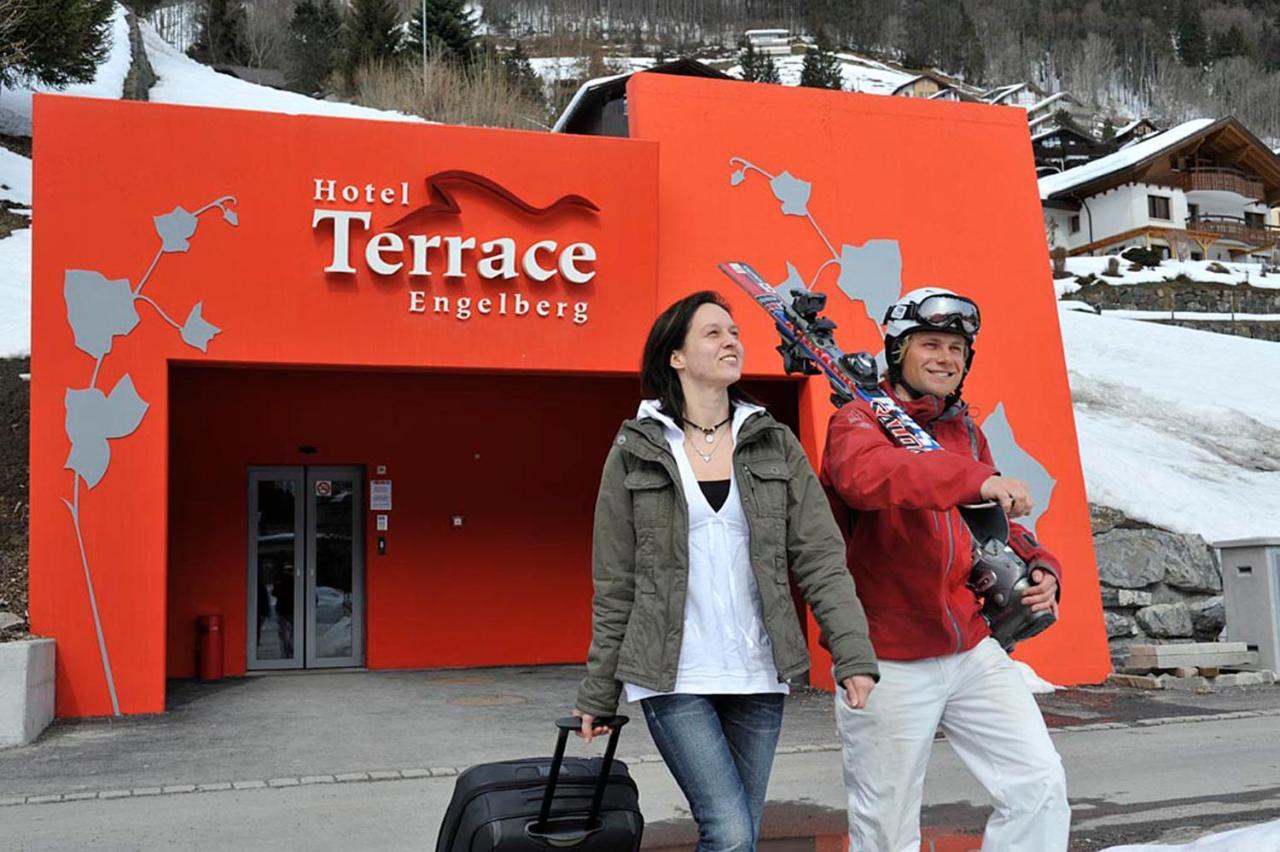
[275, 567]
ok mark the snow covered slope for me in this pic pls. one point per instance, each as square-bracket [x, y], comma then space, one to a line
[1177, 427]
[182, 80]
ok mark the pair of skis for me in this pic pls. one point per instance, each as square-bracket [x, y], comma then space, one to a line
[808, 347]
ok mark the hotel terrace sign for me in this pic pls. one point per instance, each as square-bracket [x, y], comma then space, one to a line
[407, 247]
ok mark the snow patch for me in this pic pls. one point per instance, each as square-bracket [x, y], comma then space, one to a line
[1177, 427]
[182, 80]
[15, 294]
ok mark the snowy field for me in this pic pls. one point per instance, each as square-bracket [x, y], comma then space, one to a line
[859, 74]
[1177, 427]
[1196, 270]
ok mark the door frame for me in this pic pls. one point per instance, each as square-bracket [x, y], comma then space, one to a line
[304, 553]
[355, 473]
[297, 474]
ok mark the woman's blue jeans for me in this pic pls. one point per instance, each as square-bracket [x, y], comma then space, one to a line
[720, 750]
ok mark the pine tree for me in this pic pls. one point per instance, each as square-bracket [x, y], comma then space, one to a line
[821, 69]
[311, 55]
[221, 39]
[1193, 44]
[768, 70]
[54, 43]
[451, 31]
[1233, 42]
[520, 74]
[370, 33]
[750, 61]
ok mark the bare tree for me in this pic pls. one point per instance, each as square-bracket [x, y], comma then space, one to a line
[266, 32]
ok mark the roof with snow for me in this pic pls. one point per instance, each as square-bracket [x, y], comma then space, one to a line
[1149, 161]
[590, 109]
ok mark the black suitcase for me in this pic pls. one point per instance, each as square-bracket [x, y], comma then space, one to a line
[540, 803]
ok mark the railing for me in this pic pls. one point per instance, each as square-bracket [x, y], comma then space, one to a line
[1223, 180]
[1236, 228]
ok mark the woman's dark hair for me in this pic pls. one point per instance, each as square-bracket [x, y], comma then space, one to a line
[667, 335]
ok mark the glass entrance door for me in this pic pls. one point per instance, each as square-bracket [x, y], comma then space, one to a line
[306, 568]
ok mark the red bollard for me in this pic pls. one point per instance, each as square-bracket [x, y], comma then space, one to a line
[209, 647]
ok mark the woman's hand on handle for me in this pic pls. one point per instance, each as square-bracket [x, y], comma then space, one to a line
[857, 690]
[589, 727]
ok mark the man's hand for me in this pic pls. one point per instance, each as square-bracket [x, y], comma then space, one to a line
[589, 727]
[857, 690]
[1012, 495]
[1044, 594]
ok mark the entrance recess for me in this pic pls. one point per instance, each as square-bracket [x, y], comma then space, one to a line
[306, 568]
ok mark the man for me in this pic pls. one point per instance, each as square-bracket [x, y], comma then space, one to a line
[911, 554]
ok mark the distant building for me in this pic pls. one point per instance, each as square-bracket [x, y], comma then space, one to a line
[1206, 187]
[769, 42]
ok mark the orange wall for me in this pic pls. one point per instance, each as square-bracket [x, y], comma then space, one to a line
[955, 185]
[518, 457]
[262, 282]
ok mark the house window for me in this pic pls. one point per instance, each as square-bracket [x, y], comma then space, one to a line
[1193, 212]
[1074, 224]
[1158, 207]
[1254, 220]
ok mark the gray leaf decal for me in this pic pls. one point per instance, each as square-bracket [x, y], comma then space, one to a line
[793, 193]
[1016, 462]
[175, 228]
[794, 281]
[230, 216]
[871, 273]
[98, 309]
[92, 418]
[197, 331]
[737, 177]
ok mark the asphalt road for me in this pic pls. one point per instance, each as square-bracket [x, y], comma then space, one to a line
[1168, 780]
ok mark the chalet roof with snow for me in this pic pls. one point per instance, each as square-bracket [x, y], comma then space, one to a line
[597, 108]
[1179, 157]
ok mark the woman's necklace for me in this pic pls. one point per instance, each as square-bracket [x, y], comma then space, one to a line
[709, 431]
[706, 457]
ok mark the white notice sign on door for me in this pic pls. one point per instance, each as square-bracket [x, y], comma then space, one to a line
[380, 495]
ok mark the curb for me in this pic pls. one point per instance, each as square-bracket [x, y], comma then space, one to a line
[416, 773]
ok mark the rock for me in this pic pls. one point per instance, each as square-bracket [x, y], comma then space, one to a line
[1134, 681]
[1198, 571]
[1239, 679]
[1185, 684]
[8, 619]
[1104, 519]
[1208, 616]
[1125, 598]
[1166, 620]
[1185, 671]
[1137, 558]
[1119, 625]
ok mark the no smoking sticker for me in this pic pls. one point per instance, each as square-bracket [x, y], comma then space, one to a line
[324, 488]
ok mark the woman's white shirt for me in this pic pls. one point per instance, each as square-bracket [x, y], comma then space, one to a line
[726, 649]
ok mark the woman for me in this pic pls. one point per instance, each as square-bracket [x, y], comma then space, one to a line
[704, 504]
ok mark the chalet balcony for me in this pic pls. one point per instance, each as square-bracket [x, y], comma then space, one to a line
[1223, 180]
[1236, 228]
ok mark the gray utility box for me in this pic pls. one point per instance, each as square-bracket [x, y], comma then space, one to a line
[1251, 592]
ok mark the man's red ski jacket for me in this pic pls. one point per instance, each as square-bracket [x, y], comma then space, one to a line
[907, 546]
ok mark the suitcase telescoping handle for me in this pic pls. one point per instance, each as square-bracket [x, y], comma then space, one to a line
[574, 831]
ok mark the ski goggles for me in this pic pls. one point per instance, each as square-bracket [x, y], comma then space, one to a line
[943, 312]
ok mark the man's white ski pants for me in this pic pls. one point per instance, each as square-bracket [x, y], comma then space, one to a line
[991, 720]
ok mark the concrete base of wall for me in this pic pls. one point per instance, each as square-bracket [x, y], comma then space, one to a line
[26, 690]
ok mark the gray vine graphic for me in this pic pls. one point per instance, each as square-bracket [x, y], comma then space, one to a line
[99, 310]
[871, 273]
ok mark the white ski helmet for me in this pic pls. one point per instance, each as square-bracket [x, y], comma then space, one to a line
[929, 309]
